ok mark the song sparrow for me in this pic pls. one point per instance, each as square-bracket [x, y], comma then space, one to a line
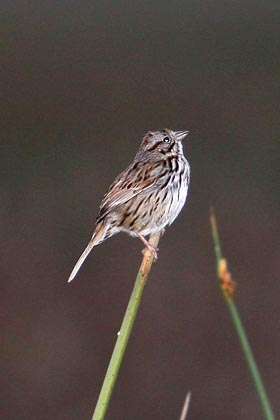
[148, 195]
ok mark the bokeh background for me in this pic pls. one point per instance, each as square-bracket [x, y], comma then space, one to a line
[81, 82]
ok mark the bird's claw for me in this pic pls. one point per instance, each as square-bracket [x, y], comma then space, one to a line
[152, 249]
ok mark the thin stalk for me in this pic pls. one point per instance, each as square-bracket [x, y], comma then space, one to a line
[186, 406]
[124, 333]
[227, 287]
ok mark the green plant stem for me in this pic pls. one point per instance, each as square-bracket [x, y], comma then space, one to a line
[124, 333]
[240, 329]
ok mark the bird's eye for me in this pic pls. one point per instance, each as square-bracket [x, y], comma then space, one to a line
[166, 139]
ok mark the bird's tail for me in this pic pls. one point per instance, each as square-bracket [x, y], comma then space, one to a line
[97, 237]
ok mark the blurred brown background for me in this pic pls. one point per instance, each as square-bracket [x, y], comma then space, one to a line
[81, 82]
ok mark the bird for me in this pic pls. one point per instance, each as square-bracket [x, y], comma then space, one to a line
[147, 196]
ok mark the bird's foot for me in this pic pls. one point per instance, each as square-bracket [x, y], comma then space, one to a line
[148, 246]
[152, 249]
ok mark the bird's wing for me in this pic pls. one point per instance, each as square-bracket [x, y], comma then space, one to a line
[131, 182]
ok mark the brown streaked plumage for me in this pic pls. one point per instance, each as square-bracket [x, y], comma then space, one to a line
[148, 195]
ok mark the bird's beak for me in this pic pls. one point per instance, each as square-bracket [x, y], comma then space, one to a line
[180, 135]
